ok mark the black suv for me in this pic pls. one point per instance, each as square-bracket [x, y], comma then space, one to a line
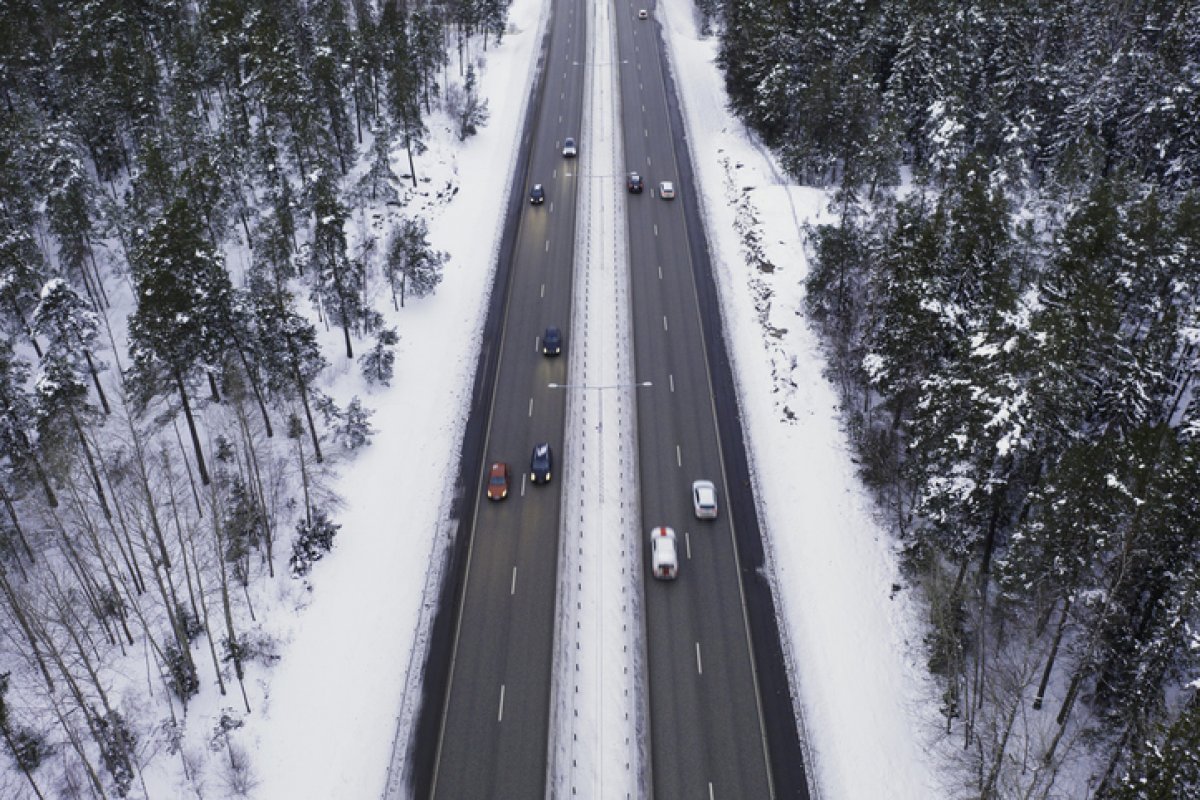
[537, 195]
[552, 341]
[540, 463]
[634, 183]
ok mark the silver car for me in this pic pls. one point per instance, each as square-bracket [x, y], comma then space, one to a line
[704, 499]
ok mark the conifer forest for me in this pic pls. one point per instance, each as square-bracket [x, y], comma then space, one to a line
[176, 179]
[1009, 301]
[1009, 304]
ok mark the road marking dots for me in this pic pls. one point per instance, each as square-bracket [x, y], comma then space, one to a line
[672, 378]
[699, 671]
[513, 588]
[664, 322]
[500, 716]
[678, 457]
[687, 544]
[531, 406]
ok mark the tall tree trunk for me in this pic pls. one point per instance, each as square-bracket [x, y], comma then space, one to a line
[96, 382]
[187, 570]
[187, 412]
[92, 470]
[17, 606]
[227, 606]
[254, 387]
[16, 521]
[208, 631]
[1058, 635]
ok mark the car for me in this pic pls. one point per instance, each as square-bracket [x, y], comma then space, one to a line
[704, 499]
[664, 560]
[540, 463]
[551, 342]
[569, 148]
[497, 487]
[666, 190]
[643, 14]
[537, 195]
[634, 183]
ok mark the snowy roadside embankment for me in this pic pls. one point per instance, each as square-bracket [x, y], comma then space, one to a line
[329, 711]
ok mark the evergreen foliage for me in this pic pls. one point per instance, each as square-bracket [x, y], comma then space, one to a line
[148, 148]
[1014, 332]
[313, 540]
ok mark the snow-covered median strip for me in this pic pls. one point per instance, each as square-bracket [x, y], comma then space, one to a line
[597, 704]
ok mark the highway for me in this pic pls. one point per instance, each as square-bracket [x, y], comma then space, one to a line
[721, 723]
[493, 739]
[706, 733]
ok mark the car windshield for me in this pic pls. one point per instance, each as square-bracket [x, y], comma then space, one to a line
[497, 479]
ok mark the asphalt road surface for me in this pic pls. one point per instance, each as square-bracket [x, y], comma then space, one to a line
[711, 702]
[493, 739]
[721, 723]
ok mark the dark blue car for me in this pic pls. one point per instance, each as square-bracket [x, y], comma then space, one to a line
[552, 341]
[540, 463]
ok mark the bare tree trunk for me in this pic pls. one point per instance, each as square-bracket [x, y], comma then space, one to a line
[17, 606]
[96, 382]
[187, 466]
[102, 556]
[16, 523]
[255, 485]
[80, 751]
[208, 631]
[187, 570]
[230, 632]
[1058, 635]
[187, 412]
[92, 469]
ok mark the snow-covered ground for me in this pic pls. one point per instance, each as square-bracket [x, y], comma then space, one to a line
[326, 715]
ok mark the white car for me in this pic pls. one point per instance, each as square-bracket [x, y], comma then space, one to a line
[704, 499]
[663, 558]
[643, 14]
[569, 149]
[666, 190]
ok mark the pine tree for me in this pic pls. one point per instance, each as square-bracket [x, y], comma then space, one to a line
[185, 301]
[378, 363]
[412, 262]
[338, 280]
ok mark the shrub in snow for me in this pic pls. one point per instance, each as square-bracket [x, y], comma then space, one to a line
[313, 540]
[378, 362]
[354, 429]
[26, 747]
[181, 673]
[116, 742]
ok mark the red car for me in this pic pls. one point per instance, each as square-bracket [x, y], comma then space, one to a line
[498, 481]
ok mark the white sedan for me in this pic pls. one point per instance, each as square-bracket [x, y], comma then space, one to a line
[666, 190]
[704, 499]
